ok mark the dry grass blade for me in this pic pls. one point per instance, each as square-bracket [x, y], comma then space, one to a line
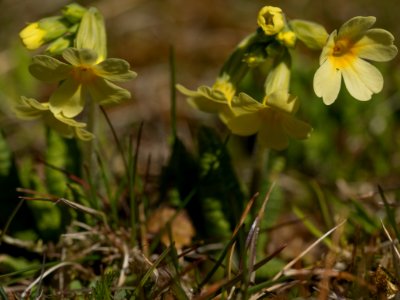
[228, 284]
[71, 204]
[252, 237]
[45, 274]
[296, 259]
[238, 226]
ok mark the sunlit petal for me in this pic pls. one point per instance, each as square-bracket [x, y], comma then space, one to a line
[115, 69]
[376, 45]
[362, 80]
[78, 57]
[356, 27]
[105, 92]
[68, 99]
[327, 82]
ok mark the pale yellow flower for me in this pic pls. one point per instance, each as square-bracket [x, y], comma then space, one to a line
[271, 20]
[346, 53]
[215, 99]
[273, 120]
[29, 109]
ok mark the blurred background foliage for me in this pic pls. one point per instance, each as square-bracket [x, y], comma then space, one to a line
[354, 145]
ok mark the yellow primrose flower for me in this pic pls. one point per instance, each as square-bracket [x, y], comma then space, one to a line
[32, 109]
[216, 99]
[346, 53]
[271, 20]
[273, 119]
[36, 34]
[81, 78]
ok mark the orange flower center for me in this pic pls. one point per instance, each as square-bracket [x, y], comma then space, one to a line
[83, 74]
[342, 54]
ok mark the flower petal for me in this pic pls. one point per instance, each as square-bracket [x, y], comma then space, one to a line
[30, 108]
[296, 128]
[327, 82]
[327, 50]
[243, 103]
[362, 79]
[279, 77]
[105, 92]
[244, 124]
[68, 99]
[356, 27]
[283, 101]
[377, 45]
[205, 99]
[272, 134]
[49, 69]
[114, 69]
[79, 57]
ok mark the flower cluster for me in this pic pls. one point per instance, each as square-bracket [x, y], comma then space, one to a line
[344, 54]
[58, 31]
[83, 73]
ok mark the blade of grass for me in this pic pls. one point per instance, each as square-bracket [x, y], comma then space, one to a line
[396, 258]
[390, 213]
[116, 139]
[146, 276]
[323, 204]
[252, 243]
[45, 274]
[235, 231]
[308, 249]
[74, 205]
[310, 226]
[107, 187]
[227, 284]
[132, 164]
[9, 220]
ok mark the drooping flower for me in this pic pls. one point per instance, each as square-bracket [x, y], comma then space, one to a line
[30, 109]
[273, 120]
[81, 78]
[347, 53]
[271, 20]
[215, 99]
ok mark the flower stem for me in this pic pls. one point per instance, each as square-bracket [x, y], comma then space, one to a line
[89, 156]
[260, 162]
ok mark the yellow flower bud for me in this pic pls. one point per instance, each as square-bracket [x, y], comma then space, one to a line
[271, 20]
[288, 38]
[32, 36]
[58, 46]
[73, 12]
[36, 34]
